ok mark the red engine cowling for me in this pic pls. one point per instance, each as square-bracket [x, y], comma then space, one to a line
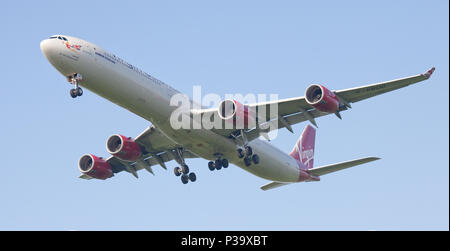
[322, 99]
[237, 114]
[95, 167]
[123, 148]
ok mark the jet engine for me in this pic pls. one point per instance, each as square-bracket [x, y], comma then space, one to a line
[322, 99]
[94, 166]
[124, 148]
[237, 114]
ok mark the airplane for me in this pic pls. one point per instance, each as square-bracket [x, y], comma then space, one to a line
[87, 65]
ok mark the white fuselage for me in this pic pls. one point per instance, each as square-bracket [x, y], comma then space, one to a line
[127, 86]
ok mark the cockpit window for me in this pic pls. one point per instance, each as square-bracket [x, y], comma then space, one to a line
[59, 37]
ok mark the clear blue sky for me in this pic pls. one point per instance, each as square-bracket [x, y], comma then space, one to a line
[230, 47]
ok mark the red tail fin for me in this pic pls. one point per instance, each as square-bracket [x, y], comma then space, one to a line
[303, 150]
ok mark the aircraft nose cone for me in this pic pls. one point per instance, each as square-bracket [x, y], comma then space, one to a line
[52, 49]
[47, 49]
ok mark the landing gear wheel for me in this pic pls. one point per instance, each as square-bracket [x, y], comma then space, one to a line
[247, 162]
[177, 171]
[192, 177]
[225, 163]
[211, 166]
[79, 91]
[185, 169]
[255, 159]
[73, 93]
[184, 178]
[240, 153]
[218, 164]
[248, 151]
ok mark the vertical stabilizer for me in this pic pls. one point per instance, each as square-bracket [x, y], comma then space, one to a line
[303, 150]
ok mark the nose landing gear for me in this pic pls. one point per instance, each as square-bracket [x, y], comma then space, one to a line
[75, 79]
[76, 92]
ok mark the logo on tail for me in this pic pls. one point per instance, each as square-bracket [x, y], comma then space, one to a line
[303, 150]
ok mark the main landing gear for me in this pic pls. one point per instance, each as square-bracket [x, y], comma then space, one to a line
[75, 79]
[183, 171]
[247, 154]
[219, 163]
[185, 175]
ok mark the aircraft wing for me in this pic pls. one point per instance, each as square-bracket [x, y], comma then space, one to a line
[291, 106]
[364, 92]
[158, 149]
[296, 110]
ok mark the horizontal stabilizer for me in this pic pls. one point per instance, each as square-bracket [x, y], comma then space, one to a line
[273, 185]
[85, 176]
[319, 171]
